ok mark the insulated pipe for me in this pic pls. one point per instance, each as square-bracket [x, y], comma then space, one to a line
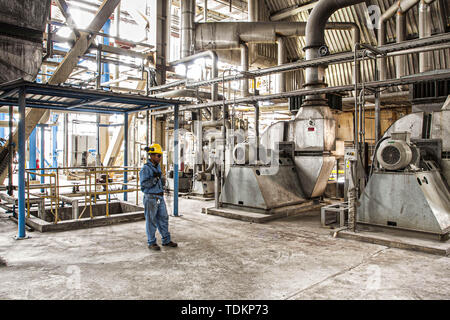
[252, 10]
[244, 67]
[187, 27]
[315, 45]
[424, 31]
[281, 77]
[403, 6]
[400, 28]
[229, 35]
[214, 69]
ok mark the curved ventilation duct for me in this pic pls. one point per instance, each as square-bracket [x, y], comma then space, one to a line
[315, 45]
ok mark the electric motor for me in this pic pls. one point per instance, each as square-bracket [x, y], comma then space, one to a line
[394, 154]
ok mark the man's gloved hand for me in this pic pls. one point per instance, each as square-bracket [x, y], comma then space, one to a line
[163, 180]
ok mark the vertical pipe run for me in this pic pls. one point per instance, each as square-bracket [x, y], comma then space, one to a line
[147, 128]
[125, 155]
[400, 63]
[187, 27]
[257, 130]
[21, 174]
[244, 66]
[55, 141]
[117, 23]
[382, 41]
[281, 77]
[98, 140]
[424, 31]
[377, 108]
[175, 160]
[205, 11]
[66, 141]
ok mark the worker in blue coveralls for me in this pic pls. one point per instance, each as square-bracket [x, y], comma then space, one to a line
[152, 185]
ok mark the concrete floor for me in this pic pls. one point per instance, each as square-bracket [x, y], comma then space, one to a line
[217, 258]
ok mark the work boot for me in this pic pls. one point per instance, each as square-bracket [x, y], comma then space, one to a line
[154, 247]
[170, 244]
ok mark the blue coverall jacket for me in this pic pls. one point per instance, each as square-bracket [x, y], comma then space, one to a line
[156, 216]
[150, 177]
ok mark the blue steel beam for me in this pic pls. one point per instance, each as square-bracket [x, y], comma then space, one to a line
[175, 164]
[21, 175]
[55, 141]
[42, 151]
[106, 28]
[2, 130]
[125, 155]
[32, 141]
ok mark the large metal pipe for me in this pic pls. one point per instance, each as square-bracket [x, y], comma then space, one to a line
[403, 6]
[244, 67]
[400, 28]
[214, 69]
[226, 35]
[229, 35]
[424, 31]
[252, 10]
[187, 27]
[281, 77]
[315, 45]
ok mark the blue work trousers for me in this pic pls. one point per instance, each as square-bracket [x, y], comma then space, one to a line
[156, 217]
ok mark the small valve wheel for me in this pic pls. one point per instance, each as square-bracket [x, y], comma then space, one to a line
[323, 51]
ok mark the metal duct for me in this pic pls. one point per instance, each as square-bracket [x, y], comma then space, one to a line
[424, 31]
[403, 6]
[400, 30]
[253, 9]
[244, 67]
[281, 77]
[187, 27]
[183, 93]
[315, 45]
[229, 35]
[215, 69]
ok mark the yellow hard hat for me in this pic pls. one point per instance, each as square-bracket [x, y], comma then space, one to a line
[155, 148]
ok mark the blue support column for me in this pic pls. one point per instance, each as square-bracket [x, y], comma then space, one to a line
[42, 149]
[2, 129]
[125, 154]
[32, 157]
[175, 164]
[21, 175]
[106, 27]
[55, 141]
